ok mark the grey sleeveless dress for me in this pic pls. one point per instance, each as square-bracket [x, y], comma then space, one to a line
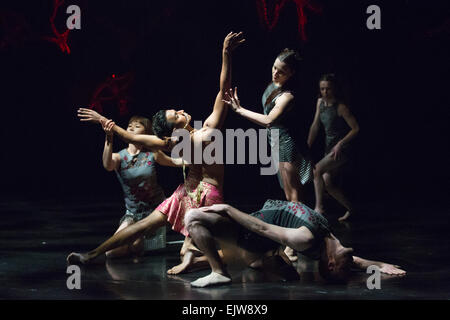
[288, 150]
[335, 127]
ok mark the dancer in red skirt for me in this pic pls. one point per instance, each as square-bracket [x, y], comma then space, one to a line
[203, 185]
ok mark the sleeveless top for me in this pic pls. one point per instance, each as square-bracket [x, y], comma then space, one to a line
[335, 126]
[295, 215]
[289, 149]
[137, 176]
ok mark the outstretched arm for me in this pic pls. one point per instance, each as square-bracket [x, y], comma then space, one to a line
[387, 268]
[164, 160]
[217, 117]
[291, 237]
[89, 115]
[281, 105]
[148, 141]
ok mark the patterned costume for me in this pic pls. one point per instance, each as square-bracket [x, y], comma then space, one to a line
[137, 176]
[288, 215]
[289, 150]
[194, 193]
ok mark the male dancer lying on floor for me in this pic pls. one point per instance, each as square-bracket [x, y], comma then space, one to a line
[262, 232]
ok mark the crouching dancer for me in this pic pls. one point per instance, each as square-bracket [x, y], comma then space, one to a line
[278, 223]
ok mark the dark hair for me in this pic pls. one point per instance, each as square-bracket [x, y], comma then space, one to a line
[331, 78]
[162, 127]
[144, 121]
[293, 60]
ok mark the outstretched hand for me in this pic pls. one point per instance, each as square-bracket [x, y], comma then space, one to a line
[90, 115]
[232, 99]
[392, 269]
[232, 41]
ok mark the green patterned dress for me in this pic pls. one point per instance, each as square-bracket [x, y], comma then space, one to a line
[288, 149]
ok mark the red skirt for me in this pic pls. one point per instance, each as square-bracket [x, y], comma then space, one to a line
[197, 194]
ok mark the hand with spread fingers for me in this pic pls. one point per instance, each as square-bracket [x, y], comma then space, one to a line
[232, 100]
[232, 41]
[90, 115]
[392, 269]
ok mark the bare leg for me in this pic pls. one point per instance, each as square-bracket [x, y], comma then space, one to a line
[294, 192]
[337, 193]
[128, 235]
[191, 259]
[293, 188]
[324, 165]
[124, 251]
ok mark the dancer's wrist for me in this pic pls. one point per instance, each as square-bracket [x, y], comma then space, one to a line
[102, 120]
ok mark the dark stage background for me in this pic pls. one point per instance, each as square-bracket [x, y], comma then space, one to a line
[395, 81]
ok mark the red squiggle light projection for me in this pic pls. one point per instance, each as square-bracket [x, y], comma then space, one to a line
[113, 90]
[443, 28]
[15, 30]
[60, 38]
[264, 11]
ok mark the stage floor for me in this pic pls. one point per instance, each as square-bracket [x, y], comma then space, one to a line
[37, 236]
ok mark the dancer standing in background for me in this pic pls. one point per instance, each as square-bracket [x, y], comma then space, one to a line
[336, 119]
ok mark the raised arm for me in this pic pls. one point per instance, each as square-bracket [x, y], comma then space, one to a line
[314, 129]
[387, 268]
[219, 113]
[111, 161]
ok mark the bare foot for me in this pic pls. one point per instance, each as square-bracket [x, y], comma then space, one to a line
[213, 279]
[193, 260]
[190, 264]
[76, 258]
[188, 259]
[83, 258]
[345, 216]
[291, 254]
